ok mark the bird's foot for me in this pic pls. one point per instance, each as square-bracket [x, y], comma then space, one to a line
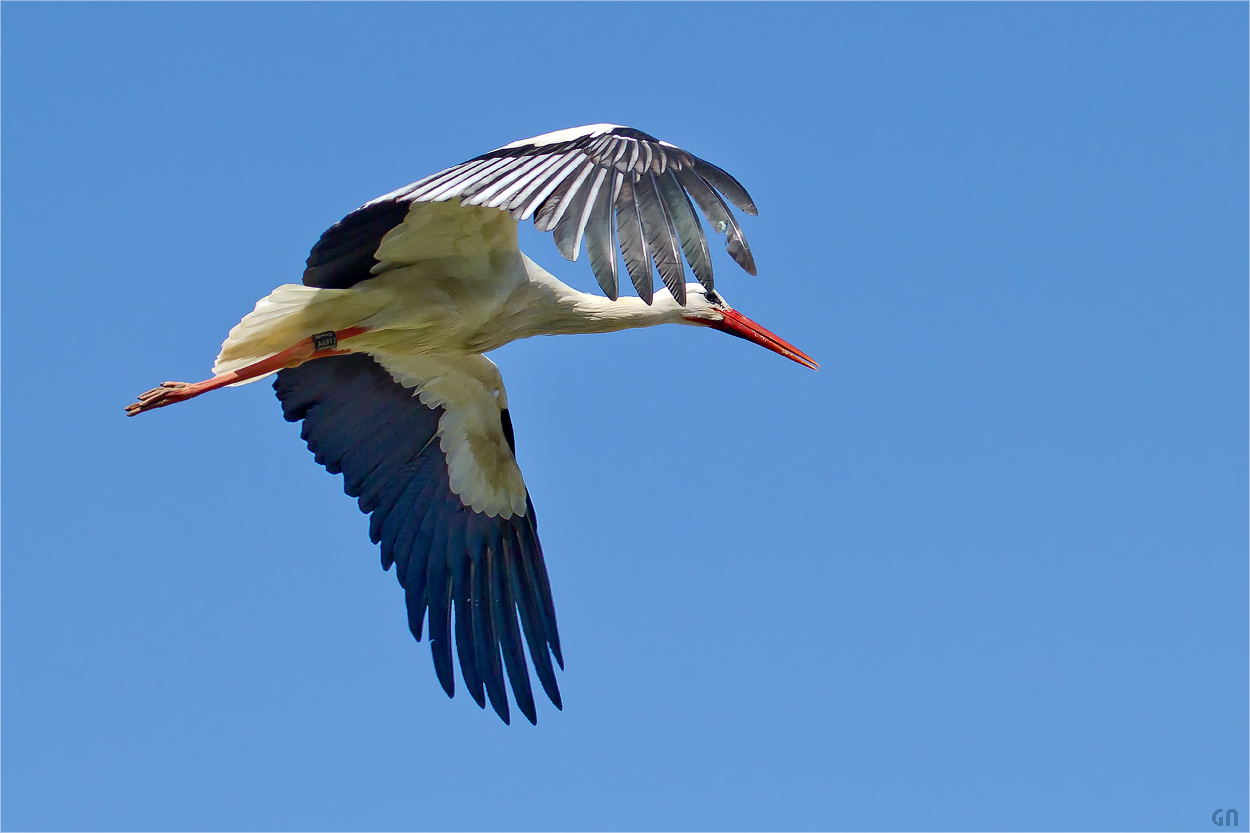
[167, 394]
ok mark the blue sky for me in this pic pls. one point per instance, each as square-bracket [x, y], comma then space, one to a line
[985, 570]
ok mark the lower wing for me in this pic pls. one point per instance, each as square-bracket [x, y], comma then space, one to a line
[426, 446]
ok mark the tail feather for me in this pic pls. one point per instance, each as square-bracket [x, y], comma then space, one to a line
[281, 319]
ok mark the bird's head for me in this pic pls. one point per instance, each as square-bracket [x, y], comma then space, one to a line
[707, 308]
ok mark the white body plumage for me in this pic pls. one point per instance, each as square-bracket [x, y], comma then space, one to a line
[451, 284]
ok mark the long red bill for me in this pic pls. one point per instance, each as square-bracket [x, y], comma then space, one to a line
[737, 324]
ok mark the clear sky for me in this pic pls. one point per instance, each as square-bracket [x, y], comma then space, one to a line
[985, 570]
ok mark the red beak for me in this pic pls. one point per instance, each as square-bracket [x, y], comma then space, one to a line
[737, 324]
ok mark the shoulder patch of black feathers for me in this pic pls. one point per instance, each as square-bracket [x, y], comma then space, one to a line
[506, 419]
[343, 256]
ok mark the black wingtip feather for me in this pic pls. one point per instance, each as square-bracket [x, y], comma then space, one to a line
[633, 242]
[727, 185]
[466, 651]
[484, 635]
[504, 611]
[414, 597]
[523, 584]
[495, 688]
[661, 239]
[438, 602]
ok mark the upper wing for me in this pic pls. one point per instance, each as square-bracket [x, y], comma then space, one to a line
[435, 468]
[608, 184]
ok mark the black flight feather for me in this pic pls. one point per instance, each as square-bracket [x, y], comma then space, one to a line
[661, 239]
[633, 241]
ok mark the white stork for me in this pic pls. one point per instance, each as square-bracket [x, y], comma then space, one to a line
[380, 353]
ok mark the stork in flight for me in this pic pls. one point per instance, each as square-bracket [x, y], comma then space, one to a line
[380, 353]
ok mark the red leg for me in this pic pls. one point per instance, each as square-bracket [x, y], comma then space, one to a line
[313, 347]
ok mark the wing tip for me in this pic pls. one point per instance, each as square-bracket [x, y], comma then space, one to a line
[530, 714]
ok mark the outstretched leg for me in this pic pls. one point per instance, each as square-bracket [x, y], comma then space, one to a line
[313, 347]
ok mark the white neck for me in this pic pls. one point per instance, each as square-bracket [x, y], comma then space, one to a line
[545, 305]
